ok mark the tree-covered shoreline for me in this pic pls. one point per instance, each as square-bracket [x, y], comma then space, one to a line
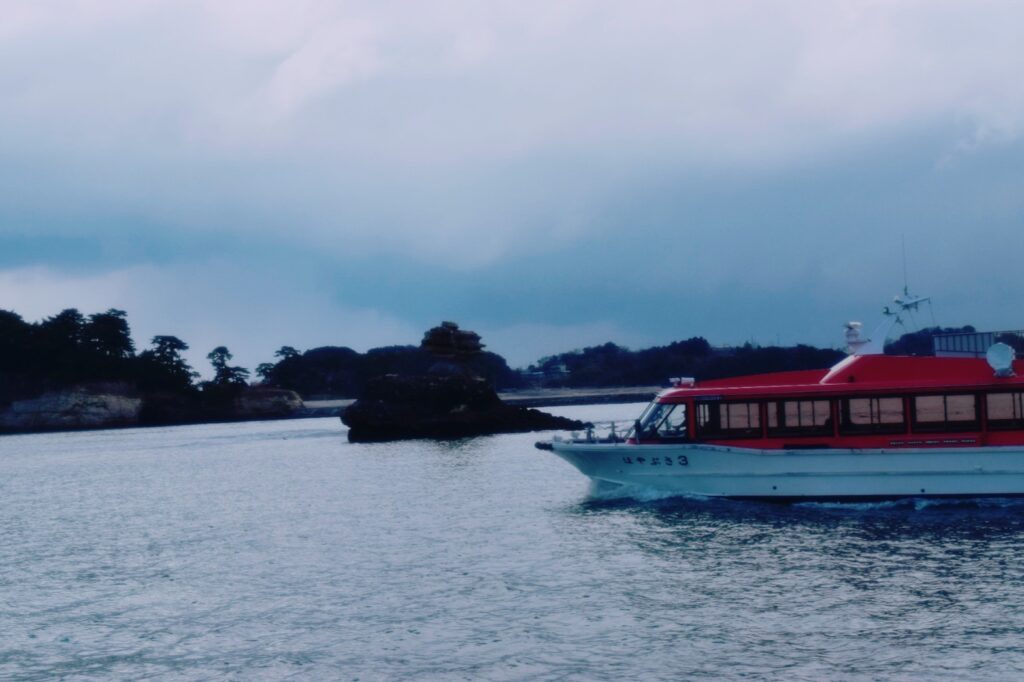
[72, 349]
[97, 351]
[50, 369]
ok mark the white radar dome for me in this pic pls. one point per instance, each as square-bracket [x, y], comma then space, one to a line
[1000, 358]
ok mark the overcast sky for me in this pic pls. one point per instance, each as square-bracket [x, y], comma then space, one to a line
[550, 174]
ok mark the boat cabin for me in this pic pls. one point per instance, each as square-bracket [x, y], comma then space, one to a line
[867, 401]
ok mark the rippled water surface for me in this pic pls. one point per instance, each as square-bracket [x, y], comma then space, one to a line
[276, 549]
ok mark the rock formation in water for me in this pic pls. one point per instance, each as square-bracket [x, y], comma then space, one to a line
[396, 408]
[447, 402]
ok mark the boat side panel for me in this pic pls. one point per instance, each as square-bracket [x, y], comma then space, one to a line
[718, 471]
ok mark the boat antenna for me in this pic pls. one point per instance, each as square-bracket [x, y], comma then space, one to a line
[905, 304]
[903, 241]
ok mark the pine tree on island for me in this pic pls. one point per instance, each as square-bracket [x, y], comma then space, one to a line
[225, 374]
[453, 348]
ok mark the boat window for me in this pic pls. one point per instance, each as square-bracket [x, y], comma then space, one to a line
[664, 420]
[1005, 411]
[652, 417]
[653, 405]
[728, 420]
[674, 424]
[946, 413]
[872, 415]
[799, 418]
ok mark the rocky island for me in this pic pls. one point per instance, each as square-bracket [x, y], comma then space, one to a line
[70, 371]
[449, 401]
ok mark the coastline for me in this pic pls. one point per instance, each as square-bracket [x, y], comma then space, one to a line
[557, 397]
[539, 397]
[312, 409]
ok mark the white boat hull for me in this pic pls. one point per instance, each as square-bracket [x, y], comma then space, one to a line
[829, 474]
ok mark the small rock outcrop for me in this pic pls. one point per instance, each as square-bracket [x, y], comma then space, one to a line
[70, 409]
[234, 404]
[267, 403]
[436, 406]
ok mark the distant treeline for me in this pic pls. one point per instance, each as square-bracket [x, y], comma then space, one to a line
[612, 365]
[72, 349]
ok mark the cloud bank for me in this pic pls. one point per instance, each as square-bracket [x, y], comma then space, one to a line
[635, 169]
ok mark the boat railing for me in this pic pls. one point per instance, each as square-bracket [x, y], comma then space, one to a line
[611, 431]
[974, 344]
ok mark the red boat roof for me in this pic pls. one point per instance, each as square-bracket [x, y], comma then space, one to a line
[863, 373]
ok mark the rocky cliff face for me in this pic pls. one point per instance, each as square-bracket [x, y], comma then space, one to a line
[87, 408]
[70, 409]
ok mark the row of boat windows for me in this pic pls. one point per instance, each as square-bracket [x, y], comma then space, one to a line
[867, 415]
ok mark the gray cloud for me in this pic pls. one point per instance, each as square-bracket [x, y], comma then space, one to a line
[519, 159]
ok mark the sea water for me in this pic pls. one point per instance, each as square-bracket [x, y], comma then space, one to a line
[275, 550]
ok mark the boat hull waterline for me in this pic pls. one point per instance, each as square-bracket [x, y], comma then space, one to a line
[785, 475]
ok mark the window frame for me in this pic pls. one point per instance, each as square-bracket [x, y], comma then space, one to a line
[813, 431]
[944, 426]
[848, 428]
[678, 433]
[1005, 424]
[728, 434]
[652, 425]
[650, 422]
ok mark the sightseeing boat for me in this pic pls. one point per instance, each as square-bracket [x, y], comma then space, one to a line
[872, 427]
